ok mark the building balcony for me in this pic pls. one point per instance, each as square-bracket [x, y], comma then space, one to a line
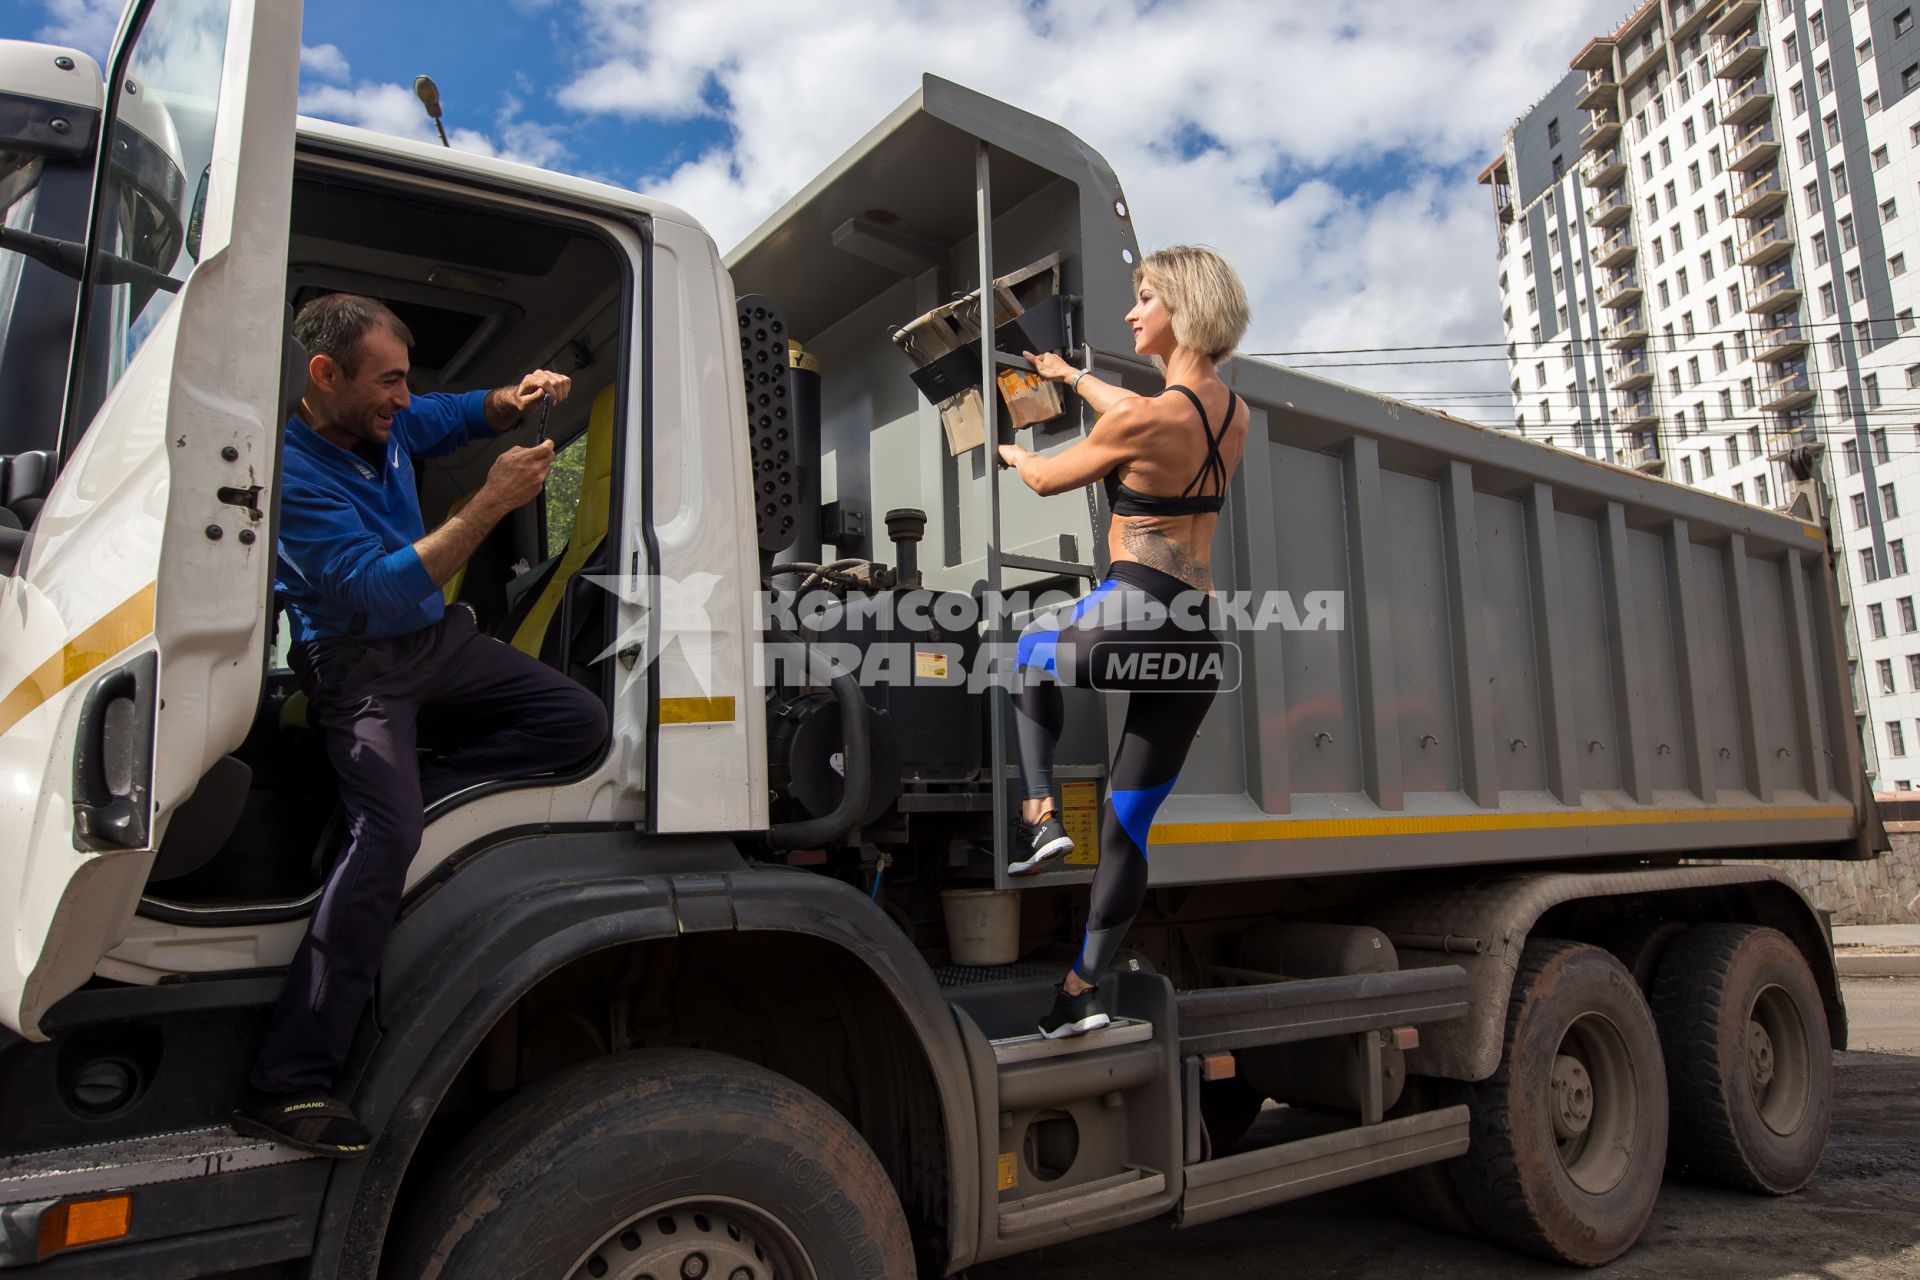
[1769, 244]
[1621, 290]
[1604, 168]
[1610, 210]
[1600, 91]
[1754, 148]
[1735, 56]
[1631, 374]
[1504, 210]
[1772, 343]
[1601, 130]
[1625, 333]
[1773, 292]
[1795, 391]
[1615, 251]
[1635, 413]
[1782, 445]
[1746, 103]
[1733, 18]
[1643, 457]
[1761, 196]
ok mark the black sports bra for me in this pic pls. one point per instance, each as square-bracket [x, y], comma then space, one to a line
[1122, 501]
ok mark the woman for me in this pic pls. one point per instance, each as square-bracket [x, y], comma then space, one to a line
[1165, 461]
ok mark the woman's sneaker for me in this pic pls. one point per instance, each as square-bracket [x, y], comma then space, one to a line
[1074, 1015]
[1037, 845]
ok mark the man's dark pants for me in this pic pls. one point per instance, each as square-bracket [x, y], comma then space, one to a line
[516, 715]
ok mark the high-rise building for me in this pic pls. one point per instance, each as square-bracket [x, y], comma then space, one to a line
[1709, 237]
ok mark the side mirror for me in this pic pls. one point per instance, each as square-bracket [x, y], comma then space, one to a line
[196, 220]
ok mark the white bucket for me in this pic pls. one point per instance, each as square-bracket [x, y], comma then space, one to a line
[983, 925]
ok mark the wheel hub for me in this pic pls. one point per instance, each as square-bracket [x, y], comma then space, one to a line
[1760, 1059]
[1572, 1097]
[685, 1242]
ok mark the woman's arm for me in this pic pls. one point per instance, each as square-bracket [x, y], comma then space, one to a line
[1100, 396]
[1110, 443]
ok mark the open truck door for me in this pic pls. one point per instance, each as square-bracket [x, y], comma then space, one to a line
[134, 624]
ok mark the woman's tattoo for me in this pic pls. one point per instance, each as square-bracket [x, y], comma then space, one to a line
[1153, 548]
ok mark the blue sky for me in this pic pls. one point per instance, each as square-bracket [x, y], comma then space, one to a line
[1330, 150]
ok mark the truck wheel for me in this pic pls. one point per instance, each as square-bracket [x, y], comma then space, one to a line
[661, 1163]
[1749, 1061]
[1569, 1136]
[1639, 945]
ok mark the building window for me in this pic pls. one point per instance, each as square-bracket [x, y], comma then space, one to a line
[1871, 102]
[1908, 622]
[1897, 552]
[1739, 493]
[1824, 74]
[1870, 390]
[1798, 93]
[1833, 351]
[1850, 452]
[1840, 178]
[1856, 290]
[1693, 178]
[1665, 299]
[1907, 323]
[1719, 348]
[1686, 127]
[1885, 667]
[1733, 451]
[1866, 561]
[1913, 375]
[1666, 153]
[1817, 26]
[1819, 248]
[1726, 403]
[1896, 740]
[1910, 77]
[1903, 22]
[1859, 502]
[1686, 470]
[1879, 438]
[1826, 300]
[1889, 210]
[1913, 678]
[1806, 148]
[1693, 371]
[1760, 490]
[1889, 505]
[1831, 121]
[1813, 197]
[1847, 240]
[1863, 50]
[1880, 157]
[1553, 133]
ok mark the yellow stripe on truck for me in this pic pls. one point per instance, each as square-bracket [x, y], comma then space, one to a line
[696, 710]
[1311, 828]
[126, 623]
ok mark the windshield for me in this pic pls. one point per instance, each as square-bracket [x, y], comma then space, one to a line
[164, 106]
[19, 192]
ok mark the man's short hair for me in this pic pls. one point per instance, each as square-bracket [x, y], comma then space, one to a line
[334, 324]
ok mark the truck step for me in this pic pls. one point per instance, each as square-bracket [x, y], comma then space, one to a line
[1217, 1019]
[1028, 1048]
[137, 1162]
[1093, 1201]
[1255, 1179]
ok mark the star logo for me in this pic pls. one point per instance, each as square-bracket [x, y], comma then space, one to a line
[665, 612]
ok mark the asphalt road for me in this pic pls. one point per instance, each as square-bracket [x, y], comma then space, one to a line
[1859, 1220]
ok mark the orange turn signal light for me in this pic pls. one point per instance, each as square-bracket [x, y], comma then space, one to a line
[80, 1222]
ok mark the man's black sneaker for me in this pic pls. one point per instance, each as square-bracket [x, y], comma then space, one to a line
[1074, 1015]
[1037, 845]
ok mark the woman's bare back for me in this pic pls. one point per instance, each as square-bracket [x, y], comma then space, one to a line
[1173, 449]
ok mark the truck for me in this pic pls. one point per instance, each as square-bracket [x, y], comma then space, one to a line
[1465, 887]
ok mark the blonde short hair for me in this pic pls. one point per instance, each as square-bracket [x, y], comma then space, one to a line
[1202, 293]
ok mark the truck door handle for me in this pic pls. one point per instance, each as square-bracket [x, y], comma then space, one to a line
[113, 758]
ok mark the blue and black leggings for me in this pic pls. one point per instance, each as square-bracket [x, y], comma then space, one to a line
[1127, 634]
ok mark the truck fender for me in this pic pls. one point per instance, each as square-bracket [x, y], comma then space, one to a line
[1490, 920]
[470, 945]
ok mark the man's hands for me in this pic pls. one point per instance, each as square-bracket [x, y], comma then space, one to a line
[506, 404]
[516, 476]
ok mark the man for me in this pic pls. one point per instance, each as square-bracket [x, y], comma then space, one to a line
[373, 646]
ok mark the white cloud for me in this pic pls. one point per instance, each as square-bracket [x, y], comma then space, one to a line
[325, 61]
[87, 25]
[1203, 108]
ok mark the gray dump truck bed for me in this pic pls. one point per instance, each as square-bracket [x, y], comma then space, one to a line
[1543, 656]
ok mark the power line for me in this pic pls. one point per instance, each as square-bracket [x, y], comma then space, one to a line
[1559, 342]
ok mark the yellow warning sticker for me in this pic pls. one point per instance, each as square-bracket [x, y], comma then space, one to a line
[929, 666]
[1080, 815]
[1009, 1171]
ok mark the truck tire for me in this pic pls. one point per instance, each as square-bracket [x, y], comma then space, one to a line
[665, 1163]
[1569, 1135]
[1749, 1060]
[1640, 944]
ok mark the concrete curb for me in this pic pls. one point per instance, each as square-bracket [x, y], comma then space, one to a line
[1899, 964]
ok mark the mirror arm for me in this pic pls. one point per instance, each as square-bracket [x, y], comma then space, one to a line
[68, 257]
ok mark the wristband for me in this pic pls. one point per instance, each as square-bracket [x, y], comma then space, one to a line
[1074, 386]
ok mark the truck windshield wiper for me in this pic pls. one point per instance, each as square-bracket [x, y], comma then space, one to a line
[68, 257]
